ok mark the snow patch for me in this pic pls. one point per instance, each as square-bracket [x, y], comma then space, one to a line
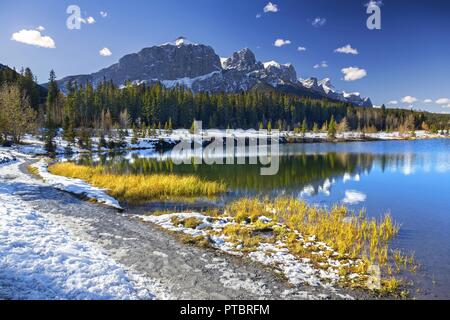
[186, 82]
[41, 259]
[6, 157]
[277, 256]
[75, 186]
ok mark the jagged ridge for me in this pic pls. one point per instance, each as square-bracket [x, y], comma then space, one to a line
[199, 68]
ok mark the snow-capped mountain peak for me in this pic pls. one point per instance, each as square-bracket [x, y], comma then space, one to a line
[275, 64]
[242, 60]
[198, 68]
[310, 83]
[326, 85]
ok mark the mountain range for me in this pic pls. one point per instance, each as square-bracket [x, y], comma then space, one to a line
[199, 68]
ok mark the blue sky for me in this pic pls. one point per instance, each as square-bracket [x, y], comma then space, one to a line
[409, 57]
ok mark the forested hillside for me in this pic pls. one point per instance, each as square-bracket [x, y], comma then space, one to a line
[24, 105]
[179, 107]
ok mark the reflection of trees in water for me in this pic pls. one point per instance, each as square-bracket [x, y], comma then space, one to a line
[296, 171]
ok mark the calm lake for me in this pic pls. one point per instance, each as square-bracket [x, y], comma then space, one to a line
[409, 179]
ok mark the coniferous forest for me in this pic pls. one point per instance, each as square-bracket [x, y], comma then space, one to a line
[154, 106]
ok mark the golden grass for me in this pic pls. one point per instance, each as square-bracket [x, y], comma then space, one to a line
[191, 223]
[140, 188]
[34, 171]
[351, 244]
[352, 236]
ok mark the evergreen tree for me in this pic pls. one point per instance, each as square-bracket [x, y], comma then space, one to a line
[332, 129]
[49, 140]
[304, 127]
[69, 130]
[53, 90]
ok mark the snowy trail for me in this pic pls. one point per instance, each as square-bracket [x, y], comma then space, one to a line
[75, 186]
[41, 259]
[56, 245]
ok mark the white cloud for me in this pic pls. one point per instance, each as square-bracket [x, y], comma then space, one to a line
[258, 15]
[409, 99]
[40, 28]
[301, 49]
[347, 49]
[428, 101]
[105, 52]
[323, 64]
[318, 22]
[34, 38]
[443, 101]
[281, 42]
[353, 73]
[271, 7]
[393, 102]
[104, 14]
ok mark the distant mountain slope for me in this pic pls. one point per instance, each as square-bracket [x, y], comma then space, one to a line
[200, 69]
[10, 75]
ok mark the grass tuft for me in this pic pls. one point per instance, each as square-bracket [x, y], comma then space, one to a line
[34, 171]
[140, 188]
[351, 245]
[352, 236]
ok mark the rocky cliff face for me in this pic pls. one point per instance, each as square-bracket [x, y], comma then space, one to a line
[243, 61]
[199, 68]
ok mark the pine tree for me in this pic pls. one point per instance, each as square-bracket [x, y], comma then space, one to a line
[304, 127]
[332, 129]
[53, 90]
[84, 139]
[69, 130]
[49, 140]
[170, 126]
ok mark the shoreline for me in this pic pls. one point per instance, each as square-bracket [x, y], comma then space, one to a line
[165, 142]
[310, 273]
[134, 244]
[175, 211]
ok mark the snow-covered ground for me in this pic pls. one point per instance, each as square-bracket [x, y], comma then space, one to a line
[75, 186]
[41, 259]
[6, 156]
[297, 271]
[33, 145]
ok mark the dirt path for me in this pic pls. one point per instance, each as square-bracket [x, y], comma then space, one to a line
[187, 272]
